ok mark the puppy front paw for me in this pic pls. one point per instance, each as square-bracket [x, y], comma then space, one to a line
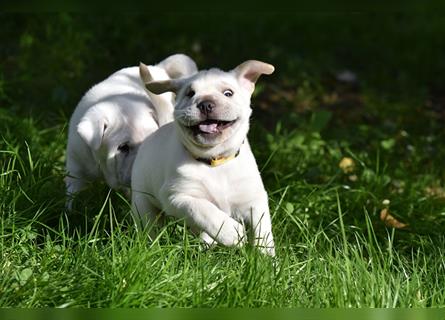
[207, 240]
[232, 233]
[267, 250]
[265, 244]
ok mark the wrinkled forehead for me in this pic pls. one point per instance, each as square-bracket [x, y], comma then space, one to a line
[213, 78]
[126, 130]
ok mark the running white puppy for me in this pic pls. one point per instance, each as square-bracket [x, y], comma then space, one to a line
[200, 167]
[111, 121]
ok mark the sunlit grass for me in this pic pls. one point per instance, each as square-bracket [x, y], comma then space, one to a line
[332, 248]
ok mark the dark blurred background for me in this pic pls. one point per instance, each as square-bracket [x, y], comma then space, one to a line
[47, 61]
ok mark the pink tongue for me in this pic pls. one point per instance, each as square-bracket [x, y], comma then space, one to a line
[209, 128]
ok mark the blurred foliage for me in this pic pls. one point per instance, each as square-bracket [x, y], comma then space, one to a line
[49, 60]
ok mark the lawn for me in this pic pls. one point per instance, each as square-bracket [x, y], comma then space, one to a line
[348, 133]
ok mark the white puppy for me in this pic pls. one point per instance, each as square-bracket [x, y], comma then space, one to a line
[200, 167]
[111, 121]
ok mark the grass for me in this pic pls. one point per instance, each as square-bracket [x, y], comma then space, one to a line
[333, 249]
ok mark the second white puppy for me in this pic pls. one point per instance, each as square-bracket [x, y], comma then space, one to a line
[111, 121]
[200, 167]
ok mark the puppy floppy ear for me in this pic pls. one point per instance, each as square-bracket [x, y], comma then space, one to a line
[158, 87]
[249, 71]
[150, 73]
[163, 103]
[144, 73]
[92, 132]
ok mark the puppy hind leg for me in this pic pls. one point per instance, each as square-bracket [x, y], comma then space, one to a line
[73, 186]
[146, 215]
[261, 229]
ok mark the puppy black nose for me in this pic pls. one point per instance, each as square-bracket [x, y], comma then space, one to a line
[206, 106]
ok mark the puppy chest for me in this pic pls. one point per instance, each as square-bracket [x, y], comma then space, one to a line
[225, 191]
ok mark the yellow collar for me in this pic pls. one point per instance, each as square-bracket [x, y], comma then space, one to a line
[214, 162]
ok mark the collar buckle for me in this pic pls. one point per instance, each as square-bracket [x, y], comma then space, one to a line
[214, 162]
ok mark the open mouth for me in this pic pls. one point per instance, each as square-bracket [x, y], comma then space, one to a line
[211, 126]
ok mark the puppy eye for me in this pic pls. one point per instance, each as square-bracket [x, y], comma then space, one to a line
[190, 93]
[124, 148]
[228, 93]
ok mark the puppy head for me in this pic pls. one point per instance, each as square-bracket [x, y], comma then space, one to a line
[213, 107]
[113, 139]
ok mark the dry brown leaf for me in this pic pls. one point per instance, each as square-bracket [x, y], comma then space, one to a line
[330, 98]
[435, 192]
[390, 221]
[347, 165]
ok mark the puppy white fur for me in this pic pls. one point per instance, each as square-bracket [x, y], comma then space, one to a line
[173, 172]
[112, 119]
